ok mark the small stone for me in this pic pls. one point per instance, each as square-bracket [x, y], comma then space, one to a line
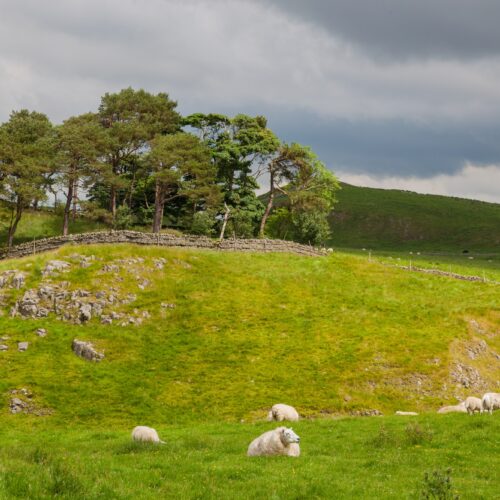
[85, 313]
[41, 332]
[4, 347]
[86, 350]
[22, 346]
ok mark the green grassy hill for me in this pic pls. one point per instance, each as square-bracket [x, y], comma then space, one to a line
[222, 337]
[393, 219]
[334, 335]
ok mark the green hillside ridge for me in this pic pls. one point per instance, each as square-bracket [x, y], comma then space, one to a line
[332, 335]
[392, 219]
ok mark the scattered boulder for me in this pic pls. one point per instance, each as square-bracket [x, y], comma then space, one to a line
[406, 413]
[22, 402]
[85, 313]
[86, 350]
[41, 332]
[467, 376]
[17, 405]
[366, 413]
[475, 349]
[106, 320]
[54, 267]
[22, 346]
[164, 305]
[4, 347]
[18, 280]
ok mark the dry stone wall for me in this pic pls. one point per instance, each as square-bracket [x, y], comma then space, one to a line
[164, 240]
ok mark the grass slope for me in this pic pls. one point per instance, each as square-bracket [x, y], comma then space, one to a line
[393, 219]
[331, 335]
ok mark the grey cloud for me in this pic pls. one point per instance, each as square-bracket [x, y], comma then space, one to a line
[406, 28]
[390, 147]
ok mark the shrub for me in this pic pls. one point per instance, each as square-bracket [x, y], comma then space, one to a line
[124, 218]
[437, 484]
[203, 223]
[416, 434]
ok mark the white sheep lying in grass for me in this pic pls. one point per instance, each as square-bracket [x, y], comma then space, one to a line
[280, 412]
[146, 434]
[280, 441]
[460, 408]
[491, 401]
[473, 404]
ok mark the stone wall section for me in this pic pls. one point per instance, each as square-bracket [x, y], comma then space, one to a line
[163, 240]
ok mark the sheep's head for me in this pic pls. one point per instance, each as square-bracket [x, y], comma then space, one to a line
[288, 436]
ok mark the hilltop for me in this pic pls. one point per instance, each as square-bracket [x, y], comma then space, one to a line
[391, 219]
[231, 332]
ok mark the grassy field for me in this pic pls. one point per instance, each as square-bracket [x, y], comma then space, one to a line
[393, 219]
[331, 335]
[380, 457]
[41, 224]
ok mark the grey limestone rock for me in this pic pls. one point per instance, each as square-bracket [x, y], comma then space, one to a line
[85, 313]
[86, 350]
[22, 346]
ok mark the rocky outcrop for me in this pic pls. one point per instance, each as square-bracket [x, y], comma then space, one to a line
[164, 240]
[22, 401]
[86, 350]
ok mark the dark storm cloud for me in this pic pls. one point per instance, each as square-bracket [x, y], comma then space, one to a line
[390, 148]
[378, 88]
[406, 28]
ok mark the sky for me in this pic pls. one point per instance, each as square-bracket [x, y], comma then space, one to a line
[389, 93]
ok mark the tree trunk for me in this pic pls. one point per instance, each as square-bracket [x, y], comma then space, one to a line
[159, 203]
[112, 205]
[67, 207]
[14, 223]
[224, 223]
[75, 199]
[269, 206]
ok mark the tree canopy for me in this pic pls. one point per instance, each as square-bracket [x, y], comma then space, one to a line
[136, 161]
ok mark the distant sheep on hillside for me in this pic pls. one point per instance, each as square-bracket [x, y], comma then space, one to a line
[491, 401]
[473, 404]
[280, 412]
[280, 441]
[142, 433]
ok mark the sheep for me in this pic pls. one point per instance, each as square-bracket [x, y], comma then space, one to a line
[280, 441]
[473, 404]
[406, 413]
[146, 434]
[280, 412]
[460, 408]
[491, 401]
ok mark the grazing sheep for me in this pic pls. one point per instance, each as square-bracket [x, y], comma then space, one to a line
[404, 413]
[280, 441]
[491, 401]
[280, 412]
[460, 408]
[473, 404]
[146, 434]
